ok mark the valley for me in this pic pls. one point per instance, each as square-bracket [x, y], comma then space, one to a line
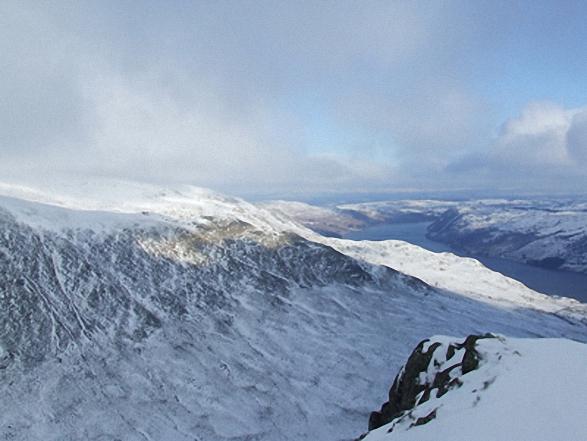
[538, 242]
[544, 280]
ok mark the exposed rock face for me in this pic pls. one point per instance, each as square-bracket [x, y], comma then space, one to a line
[508, 394]
[413, 384]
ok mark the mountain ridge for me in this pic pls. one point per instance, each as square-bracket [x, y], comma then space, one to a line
[209, 320]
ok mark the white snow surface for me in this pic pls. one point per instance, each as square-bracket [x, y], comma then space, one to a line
[460, 275]
[93, 201]
[523, 389]
[95, 198]
[524, 230]
[257, 352]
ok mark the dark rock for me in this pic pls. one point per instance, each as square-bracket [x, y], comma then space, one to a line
[423, 420]
[548, 262]
[407, 386]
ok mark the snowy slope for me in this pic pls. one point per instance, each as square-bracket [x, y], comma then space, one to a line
[183, 204]
[552, 234]
[523, 389]
[325, 221]
[464, 276]
[134, 312]
[545, 232]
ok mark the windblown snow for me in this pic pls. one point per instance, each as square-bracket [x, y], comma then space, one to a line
[130, 311]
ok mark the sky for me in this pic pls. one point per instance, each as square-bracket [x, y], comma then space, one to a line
[298, 98]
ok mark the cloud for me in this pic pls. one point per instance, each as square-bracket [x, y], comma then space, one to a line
[262, 96]
[543, 149]
[182, 93]
[39, 92]
[537, 137]
[576, 137]
[141, 132]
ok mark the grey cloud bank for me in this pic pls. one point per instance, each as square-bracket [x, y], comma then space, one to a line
[232, 95]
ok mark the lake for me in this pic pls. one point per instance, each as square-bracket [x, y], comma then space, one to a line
[551, 282]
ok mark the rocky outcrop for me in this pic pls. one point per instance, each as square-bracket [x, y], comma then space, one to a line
[431, 366]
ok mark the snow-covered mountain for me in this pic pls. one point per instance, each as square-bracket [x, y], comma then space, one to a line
[326, 221]
[337, 220]
[487, 388]
[135, 312]
[550, 233]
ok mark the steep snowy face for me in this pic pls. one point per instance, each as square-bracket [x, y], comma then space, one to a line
[181, 315]
[76, 282]
[150, 329]
[487, 388]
